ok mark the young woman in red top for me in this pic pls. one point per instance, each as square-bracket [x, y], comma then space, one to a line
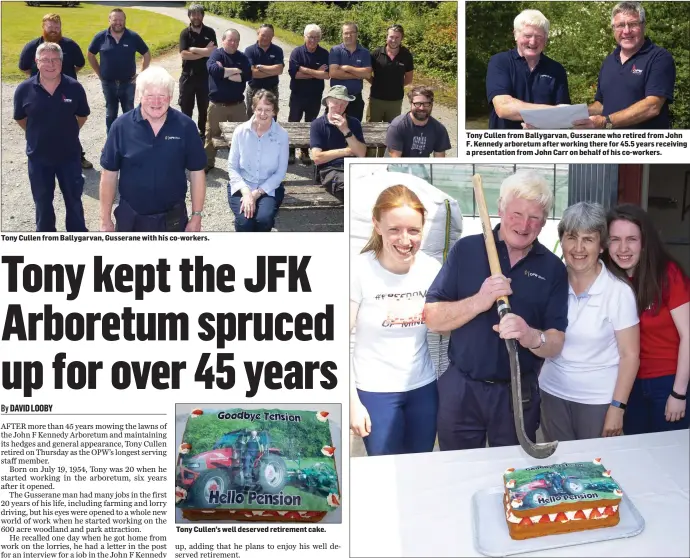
[657, 401]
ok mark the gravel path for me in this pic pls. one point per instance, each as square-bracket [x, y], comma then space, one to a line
[18, 206]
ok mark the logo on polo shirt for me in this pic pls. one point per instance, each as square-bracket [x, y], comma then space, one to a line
[271, 55]
[532, 274]
[65, 99]
[636, 71]
[171, 137]
[545, 76]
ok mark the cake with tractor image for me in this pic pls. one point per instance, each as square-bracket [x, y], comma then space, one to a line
[561, 498]
[256, 465]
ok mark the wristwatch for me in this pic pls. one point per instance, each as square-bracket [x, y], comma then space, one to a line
[621, 406]
[349, 134]
[542, 341]
[197, 213]
[609, 124]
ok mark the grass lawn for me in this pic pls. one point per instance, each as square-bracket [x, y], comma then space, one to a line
[21, 23]
[477, 123]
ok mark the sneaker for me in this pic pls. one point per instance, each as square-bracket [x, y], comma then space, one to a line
[86, 164]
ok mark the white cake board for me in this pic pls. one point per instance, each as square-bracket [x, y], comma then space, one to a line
[491, 537]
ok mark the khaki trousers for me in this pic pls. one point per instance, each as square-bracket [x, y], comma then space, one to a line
[383, 111]
[217, 113]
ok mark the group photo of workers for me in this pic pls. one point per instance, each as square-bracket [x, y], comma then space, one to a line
[625, 63]
[162, 145]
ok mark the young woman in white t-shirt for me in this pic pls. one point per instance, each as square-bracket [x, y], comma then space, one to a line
[394, 401]
[584, 390]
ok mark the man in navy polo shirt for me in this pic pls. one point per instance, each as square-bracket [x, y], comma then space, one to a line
[334, 136]
[636, 80]
[117, 69]
[524, 77]
[267, 64]
[474, 392]
[349, 64]
[51, 108]
[72, 56]
[228, 72]
[151, 147]
[308, 71]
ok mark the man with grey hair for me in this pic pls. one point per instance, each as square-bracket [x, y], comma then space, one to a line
[474, 393]
[636, 80]
[308, 71]
[524, 77]
[197, 43]
[228, 72]
[51, 108]
[145, 158]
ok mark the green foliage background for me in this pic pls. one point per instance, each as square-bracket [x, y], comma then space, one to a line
[580, 38]
[431, 28]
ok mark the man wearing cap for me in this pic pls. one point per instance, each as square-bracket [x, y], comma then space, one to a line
[228, 72]
[267, 64]
[197, 43]
[117, 68]
[72, 57]
[308, 71]
[51, 108]
[636, 80]
[349, 64]
[334, 136]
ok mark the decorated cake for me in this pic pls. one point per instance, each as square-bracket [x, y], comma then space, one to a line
[257, 465]
[553, 499]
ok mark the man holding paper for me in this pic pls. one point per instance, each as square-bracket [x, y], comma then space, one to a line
[636, 80]
[524, 77]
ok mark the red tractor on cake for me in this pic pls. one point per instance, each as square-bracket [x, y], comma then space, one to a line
[241, 459]
[545, 485]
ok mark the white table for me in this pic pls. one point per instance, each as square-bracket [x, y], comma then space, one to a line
[419, 505]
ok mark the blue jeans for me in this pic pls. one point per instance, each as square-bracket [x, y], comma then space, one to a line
[401, 422]
[647, 405]
[117, 93]
[42, 179]
[264, 213]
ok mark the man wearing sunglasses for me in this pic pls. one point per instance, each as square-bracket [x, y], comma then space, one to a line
[636, 80]
[417, 133]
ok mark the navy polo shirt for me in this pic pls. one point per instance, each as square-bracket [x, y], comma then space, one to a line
[221, 90]
[360, 58]
[271, 56]
[651, 71]
[307, 88]
[389, 75]
[71, 56]
[152, 168]
[323, 135]
[190, 38]
[540, 297]
[118, 59]
[509, 74]
[52, 132]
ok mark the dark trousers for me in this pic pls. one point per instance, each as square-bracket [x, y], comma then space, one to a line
[191, 88]
[303, 107]
[249, 98]
[333, 180]
[355, 109]
[128, 220]
[42, 179]
[647, 406]
[401, 422]
[264, 213]
[117, 93]
[470, 411]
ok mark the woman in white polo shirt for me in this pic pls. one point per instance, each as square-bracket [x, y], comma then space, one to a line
[394, 401]
[585, 389]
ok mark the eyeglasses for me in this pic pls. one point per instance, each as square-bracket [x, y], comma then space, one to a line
[156, 97]
[264, 111]
[421, 105]
[313, 38]
[632, 25]
[49, 60]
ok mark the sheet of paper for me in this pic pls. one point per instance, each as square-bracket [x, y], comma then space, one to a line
[556, 117]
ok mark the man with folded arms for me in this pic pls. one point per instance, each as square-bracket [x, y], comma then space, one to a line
[524, 77]
[228, 72]
[349, 64]
[636, 80]
[267, 63]
[334, 136]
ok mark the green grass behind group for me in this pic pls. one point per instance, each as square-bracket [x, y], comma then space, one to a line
[22, 23]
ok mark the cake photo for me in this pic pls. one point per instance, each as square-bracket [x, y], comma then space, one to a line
[560, 498]
[256, 465]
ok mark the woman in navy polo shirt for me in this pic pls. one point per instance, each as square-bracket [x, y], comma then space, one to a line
[257, 165]
[658, 398]
[395, 402]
